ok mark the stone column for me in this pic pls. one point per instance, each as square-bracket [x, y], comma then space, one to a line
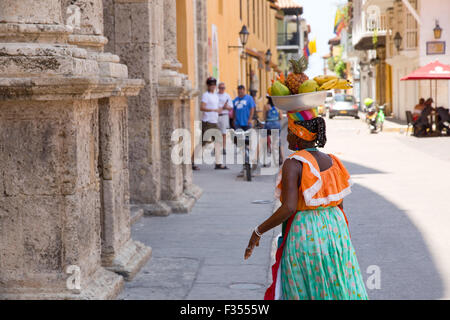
[190, 189]
[170, 35]
[119, 252]
[202, 45]
[50, 200]
[135, 31]
[170, 97]
[173, 88]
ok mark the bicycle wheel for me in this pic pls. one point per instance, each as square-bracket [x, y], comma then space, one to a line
[248, 172]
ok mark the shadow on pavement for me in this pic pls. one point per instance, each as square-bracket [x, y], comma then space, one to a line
[384, 236]
[354, 168]
[199, 255]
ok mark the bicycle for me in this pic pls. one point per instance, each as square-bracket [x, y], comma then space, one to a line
[240, 135]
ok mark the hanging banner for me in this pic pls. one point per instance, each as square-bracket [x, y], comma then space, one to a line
[215, 52]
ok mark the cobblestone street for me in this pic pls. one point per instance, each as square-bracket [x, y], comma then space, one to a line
[398, 215]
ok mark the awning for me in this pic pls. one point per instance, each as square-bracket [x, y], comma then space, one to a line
[432, 71]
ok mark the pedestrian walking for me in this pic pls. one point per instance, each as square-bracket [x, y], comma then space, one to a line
[243, 109]
[211, 109]
[316, 258]
[254, 84]
[272, 122]
[224, 120]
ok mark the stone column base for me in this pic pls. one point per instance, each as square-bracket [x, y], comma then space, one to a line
[104, 285]
[193, 191]
[130, 259]
[183, 204]
[155, 209]
[136, 213]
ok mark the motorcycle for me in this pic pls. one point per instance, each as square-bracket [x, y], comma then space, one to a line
[375, 118]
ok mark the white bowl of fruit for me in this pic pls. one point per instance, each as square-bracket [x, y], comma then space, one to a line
[297, 92]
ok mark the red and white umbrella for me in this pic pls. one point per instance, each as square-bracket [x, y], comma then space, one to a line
[432, 71]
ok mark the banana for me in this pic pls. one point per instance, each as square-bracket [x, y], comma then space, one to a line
[324, 79]
[329, 84]
[343, 84]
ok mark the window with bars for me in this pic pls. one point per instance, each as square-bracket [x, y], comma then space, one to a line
[248, 13]
[240, 9]
[411, 28]
[254, 17]
[221, 7]
[258, 18]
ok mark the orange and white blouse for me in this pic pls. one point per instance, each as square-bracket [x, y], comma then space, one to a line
[318, 189]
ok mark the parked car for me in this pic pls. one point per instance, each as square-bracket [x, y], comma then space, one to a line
[343, 105]
[329, 100]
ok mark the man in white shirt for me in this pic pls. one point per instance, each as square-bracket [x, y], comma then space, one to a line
[224, 120]
[211, 109]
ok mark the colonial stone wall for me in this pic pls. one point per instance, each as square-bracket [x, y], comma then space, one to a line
[64, 197]
[135, 32]
[202, 44]
[143, 34]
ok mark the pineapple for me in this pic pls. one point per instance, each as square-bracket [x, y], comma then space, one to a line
[295, 79]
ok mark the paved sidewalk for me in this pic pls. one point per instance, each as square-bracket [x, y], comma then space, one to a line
[199, 255]
[398, 212]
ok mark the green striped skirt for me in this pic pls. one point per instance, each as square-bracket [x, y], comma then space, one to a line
[319, 261]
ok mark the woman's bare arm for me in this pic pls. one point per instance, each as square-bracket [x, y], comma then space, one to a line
[290, 182]
[291, 175]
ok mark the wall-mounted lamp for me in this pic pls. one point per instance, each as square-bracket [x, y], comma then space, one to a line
[375, 61]
[243, 36]
[437, 31]
[398, 41]
[268, 56]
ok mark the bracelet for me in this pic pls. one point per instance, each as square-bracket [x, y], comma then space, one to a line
[257, 232]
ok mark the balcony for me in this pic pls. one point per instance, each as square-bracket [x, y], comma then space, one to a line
[369, 24]
[288, 41]
[370, 19]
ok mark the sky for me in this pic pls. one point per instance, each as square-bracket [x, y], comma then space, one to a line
[319, 14]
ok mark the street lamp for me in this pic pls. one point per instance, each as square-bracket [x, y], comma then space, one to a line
[243, 36]
[268, 56]
[398, 40]
[437, 30]
[375, 61]
[364, 66]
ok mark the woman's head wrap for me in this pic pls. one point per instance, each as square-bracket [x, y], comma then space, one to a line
[298, 129]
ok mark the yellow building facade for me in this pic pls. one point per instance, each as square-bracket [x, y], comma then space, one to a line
[217, 24]
[225, 19]
[186, 47]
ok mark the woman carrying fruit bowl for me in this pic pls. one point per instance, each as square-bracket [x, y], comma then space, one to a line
[315, 257]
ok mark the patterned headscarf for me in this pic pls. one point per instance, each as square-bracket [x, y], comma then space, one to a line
[299, 130]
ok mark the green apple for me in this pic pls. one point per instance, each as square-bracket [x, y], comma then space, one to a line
[308, 86]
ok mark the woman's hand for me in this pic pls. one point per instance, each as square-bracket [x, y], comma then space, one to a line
[253, 242]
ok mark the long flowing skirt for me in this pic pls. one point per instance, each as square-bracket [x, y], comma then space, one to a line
[319, 261]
